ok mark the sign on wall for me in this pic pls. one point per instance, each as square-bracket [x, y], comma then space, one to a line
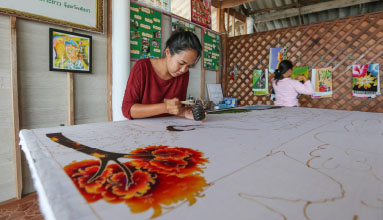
[211, 50]
[163, 5]
[79, 14]
[201, 12]
[145, 32]
[179, 24]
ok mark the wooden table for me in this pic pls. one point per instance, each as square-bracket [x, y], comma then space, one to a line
[287, 163]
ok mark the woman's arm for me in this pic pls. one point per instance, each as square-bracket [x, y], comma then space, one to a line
[305, 88]
[169, 106]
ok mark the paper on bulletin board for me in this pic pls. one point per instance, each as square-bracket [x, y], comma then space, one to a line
[215, 92]
[211, 50]
[163, 5]
[180, 24]
[145, 32]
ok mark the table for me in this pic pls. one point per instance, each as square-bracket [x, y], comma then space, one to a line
[286, 163]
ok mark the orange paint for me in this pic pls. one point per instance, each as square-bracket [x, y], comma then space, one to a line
[161, 176]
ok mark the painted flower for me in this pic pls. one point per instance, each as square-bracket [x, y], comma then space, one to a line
[160, 176]
[111, 185]
[365, 82]
[359, 70]
[172, 161]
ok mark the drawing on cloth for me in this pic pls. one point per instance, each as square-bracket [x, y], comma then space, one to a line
[151, 179]
[300, 71]
[365, 80]
[322, 82]
[276, 56]
[260, 82]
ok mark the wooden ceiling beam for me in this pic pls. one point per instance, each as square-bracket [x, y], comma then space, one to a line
[228, 3]
[270, 16]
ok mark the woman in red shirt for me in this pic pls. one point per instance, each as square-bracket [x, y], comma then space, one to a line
[156, 86]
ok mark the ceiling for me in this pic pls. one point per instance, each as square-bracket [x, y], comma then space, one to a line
[275, 14]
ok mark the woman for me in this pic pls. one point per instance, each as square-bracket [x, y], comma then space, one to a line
[287, 89]
[156, 86]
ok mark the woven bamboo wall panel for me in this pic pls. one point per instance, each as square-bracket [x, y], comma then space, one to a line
[338, 43]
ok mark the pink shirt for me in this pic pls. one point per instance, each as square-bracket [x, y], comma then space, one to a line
[287, 90]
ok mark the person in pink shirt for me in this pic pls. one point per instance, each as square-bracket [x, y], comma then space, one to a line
[287, 89]
[156, 87]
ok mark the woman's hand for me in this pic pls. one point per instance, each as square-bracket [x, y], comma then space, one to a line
[173, 106]
[301, 77]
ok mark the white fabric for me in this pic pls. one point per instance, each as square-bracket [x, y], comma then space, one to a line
[293, 163]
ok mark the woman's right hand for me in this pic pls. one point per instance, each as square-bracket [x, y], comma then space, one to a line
[301, 77]
[173, 106]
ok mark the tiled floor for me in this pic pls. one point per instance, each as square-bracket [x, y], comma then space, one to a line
[24, 209]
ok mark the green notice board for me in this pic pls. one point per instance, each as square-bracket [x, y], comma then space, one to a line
[145, 32]
[212, 47]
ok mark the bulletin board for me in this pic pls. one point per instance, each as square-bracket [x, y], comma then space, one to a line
[211, 52]
[145, 32]
[201, 12]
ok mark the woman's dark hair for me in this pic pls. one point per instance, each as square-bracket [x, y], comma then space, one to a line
[283, 67]
[183, 40]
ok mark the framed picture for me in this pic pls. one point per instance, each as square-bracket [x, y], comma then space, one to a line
[79, 14]
[69, 52]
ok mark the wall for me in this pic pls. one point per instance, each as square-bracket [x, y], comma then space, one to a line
[43, 93]
[7, 182]
[338, 43]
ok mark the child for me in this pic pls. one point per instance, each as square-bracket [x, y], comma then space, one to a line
[287, 89]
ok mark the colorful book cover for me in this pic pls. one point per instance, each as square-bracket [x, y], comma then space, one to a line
[365, 80]
[260, 82]
[321, 80]
[300, 71]
[276, 56]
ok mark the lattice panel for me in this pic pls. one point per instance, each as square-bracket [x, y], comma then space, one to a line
[338, 43]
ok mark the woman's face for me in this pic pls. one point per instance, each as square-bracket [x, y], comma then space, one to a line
[288, 73]
[180, 63]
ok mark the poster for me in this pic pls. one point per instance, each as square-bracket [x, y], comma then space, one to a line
[69, 51]
[211, 50]
[178, 24]
[201, 12]
[163, 5]
[145, 32]
[260, 82]
[321, 80]
[300, 71]
[276, 56]
[365, 80]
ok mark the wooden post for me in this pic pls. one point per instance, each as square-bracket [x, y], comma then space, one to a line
[224, 49]
[15, 107]
[202, 96]
[70, 95]
[233, 25]
[109, 59]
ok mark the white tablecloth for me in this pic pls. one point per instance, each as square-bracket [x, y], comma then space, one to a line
[288, 163]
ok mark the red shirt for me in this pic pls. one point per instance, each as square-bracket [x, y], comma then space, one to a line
[146, 87]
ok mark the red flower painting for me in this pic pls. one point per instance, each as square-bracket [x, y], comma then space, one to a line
[154, 176]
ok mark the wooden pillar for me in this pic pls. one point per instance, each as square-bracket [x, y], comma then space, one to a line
[70, 95]
[109, 59]
[223, 49]
[15, 107]
[202, 96]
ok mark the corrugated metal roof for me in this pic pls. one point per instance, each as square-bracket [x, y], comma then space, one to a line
[182, 8]
[307, 18]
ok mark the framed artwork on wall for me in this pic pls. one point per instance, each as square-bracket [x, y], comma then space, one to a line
[85, 15]
[69, 51]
